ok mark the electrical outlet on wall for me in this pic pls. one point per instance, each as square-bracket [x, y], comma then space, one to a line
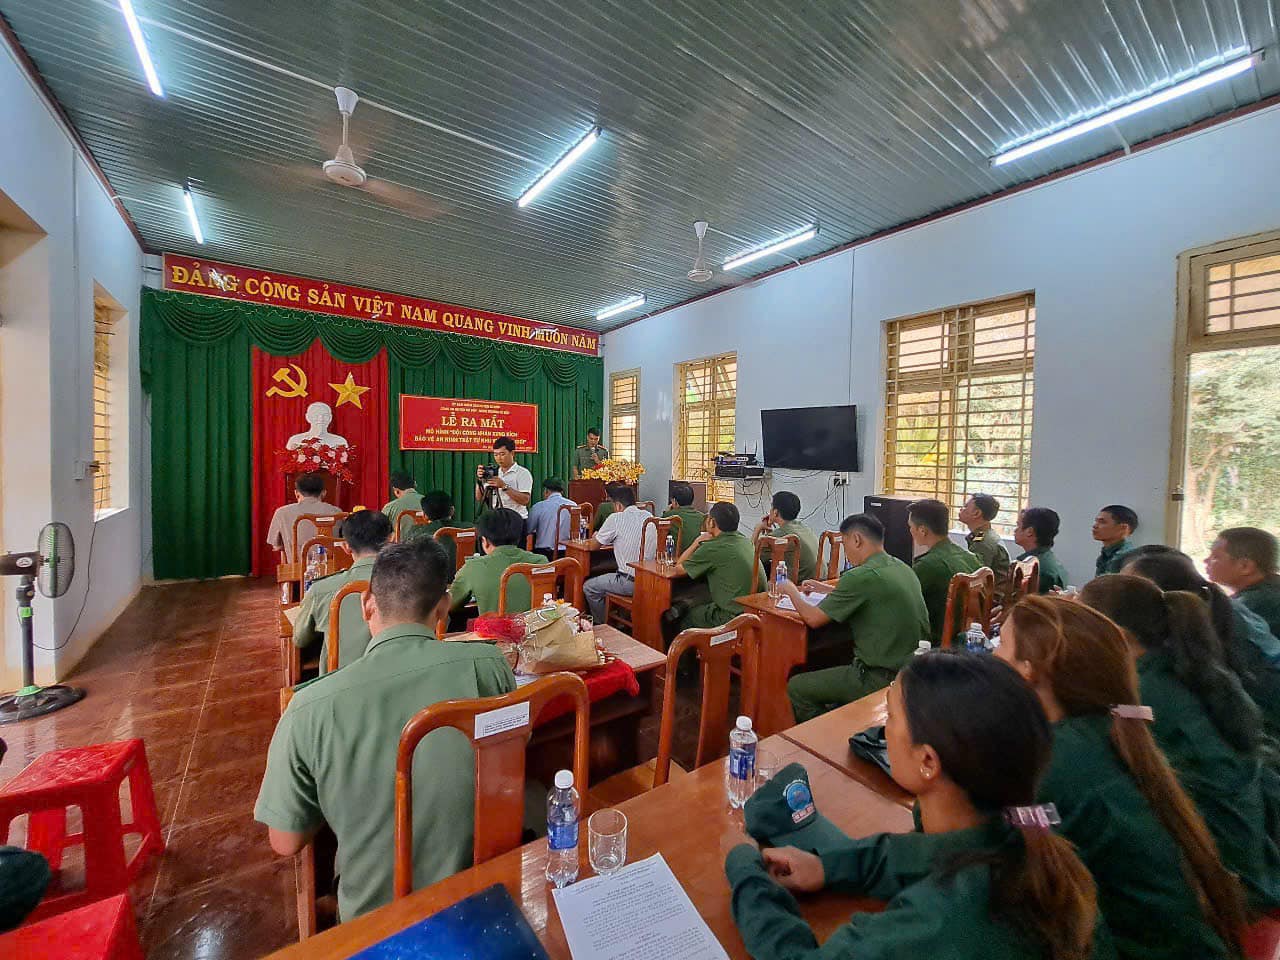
[839, 479]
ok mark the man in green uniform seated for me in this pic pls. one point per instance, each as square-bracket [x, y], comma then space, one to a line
[1036, 531]
[940, 561]
[723, 558]
[404, 498]
[499, 532]
[1244, 560]
[782, 522]
[333, 754]
[691, 518]
[879, 598]
[366, 532]
[1112, 527]
[982, 540]
[438, 506]
[587, 456]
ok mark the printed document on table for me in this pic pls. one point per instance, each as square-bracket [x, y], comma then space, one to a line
[640, 912]
[812, 599]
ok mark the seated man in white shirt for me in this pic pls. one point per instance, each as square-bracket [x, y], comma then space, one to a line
[621, 530]
[309, 501]
[512, 488]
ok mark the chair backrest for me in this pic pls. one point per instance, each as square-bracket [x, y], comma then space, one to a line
[833, 544]
[464, 543]
[405, 522]
[648, 505]
[561, 578]
[1024, 578]
[970, 597]
[662, 528]
[717, 648]
[576, 515]
[337, 557]
[787, 547]
[311, 525]
[332, 637]
[500, 762]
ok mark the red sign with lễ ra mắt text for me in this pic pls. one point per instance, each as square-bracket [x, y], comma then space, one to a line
[443, 423]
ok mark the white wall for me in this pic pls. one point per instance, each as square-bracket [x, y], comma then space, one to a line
[1099, 249]
[46, 379]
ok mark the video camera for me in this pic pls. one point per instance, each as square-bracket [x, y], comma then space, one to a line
[488, 471]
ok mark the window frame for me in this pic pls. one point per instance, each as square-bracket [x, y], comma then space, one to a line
[625, 409]
[717, 489]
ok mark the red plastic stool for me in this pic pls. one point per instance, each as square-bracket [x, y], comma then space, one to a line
[1261, 940]
[100, 931]
[89, 778]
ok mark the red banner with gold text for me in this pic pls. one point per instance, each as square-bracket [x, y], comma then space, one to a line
[442, 423]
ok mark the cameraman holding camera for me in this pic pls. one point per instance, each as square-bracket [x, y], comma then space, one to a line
[509, 484]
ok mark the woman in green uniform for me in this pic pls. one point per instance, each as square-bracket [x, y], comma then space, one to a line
[1203, 721]
[1162, 888]
[986, 878]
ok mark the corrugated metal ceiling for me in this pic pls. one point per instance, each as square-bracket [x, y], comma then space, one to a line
[759, 117]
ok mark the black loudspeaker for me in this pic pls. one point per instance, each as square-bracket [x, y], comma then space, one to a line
[892, 512]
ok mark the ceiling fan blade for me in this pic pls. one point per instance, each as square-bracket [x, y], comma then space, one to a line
[410, 202]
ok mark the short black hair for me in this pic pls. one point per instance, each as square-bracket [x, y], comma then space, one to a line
[1252, 543]
[622, 494]
[309, 484]
[366, 531]
[681, 493]
[437, 505]
[987, 505]
[1150, 550]
[933, 515]
[505, 442]
[408, 579]
[593, 431]
[402, 480]
[726, 516]
[1044, 522]
[554, 484]
[787, 504]
[865, 524]
[1122, 514]
[501, 527]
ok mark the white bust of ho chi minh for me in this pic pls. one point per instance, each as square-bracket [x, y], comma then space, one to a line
[319, 416]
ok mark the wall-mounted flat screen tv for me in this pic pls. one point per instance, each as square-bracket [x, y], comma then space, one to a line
[811, 438]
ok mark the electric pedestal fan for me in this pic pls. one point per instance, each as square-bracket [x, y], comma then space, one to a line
[50, 566]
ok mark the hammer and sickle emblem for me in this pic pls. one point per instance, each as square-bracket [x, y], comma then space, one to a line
[297, 385]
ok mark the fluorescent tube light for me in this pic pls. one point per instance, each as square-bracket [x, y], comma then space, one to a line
[628, 304]
[750, 256]
[191, 215]
[1199, 82]
[561, 165]
[140, 44]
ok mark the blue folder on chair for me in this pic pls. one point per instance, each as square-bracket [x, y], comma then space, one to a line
[486, 926]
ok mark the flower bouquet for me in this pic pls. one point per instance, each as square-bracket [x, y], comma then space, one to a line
[314, 455]
[615, 471]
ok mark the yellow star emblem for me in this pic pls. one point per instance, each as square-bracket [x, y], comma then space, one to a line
[348, 392]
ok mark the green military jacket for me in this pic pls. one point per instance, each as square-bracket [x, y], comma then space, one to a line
[1257, 653]
[881, 602]
[428, 531]
[987, 546]
[691, 522]
[930, 914]
[582, 458]
[1263, 598]
[1053, 575]
[726, 563]
[934, 570]
[1142, 892]
[602, 514]
[333, 759]
[1227, 786]
[808, 548]
[408, 502]
[1111, 558]
[313, 615]
[481, 578]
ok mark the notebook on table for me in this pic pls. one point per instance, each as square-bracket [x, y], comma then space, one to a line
[486, 926]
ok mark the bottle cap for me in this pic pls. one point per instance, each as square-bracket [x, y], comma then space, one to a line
[924, 645]
[975, 626]
[564, 779]
[744, 723]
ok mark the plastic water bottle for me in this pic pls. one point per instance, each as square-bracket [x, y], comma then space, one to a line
[742, 761]
[779, 578]
[315, 564]
[923, 647]
[583, 532]
[670, 550]
[562, 831]
[975, 640]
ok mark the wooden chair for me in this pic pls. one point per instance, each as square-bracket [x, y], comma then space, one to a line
[338, 556]
[406, 522]
[577, 514]
[617, 608]
[970, 599]
[790, 547]
[305, 862]
[648, 505]
[1024, 579]
[464, 543]
[356, 588]
[832, 542]
[324, 525]
[499, 762]
[560, 578]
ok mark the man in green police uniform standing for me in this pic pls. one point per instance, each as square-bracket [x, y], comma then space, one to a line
[879, 598]
[366, 532]
[782, 521]
[333, 753]
[982, 540]
[723, 557]
[404, 498]
[587, 456]
[1112, 527]
[1036, 531]
[499, 532]
[1244, 560]
[940, 561]
[691, 518]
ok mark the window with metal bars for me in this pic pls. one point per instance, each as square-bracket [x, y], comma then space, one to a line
[1235, 290]
[624, 416]
[104, 319]
[706, 395]
[958, 403]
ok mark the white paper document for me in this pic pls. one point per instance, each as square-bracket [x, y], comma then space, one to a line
[813, 599]
[639, 913]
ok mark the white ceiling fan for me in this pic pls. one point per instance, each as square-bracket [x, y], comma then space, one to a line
[701, 272]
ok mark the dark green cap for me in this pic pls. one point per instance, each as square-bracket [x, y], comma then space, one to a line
[782, 814]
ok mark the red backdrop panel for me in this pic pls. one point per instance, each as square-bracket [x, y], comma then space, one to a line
[280, 402]
[444, 423]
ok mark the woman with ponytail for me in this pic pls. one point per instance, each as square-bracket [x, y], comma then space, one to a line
[1162, 888]
[1205, 723]
[987, 879]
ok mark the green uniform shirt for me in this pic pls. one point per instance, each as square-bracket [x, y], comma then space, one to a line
[934, 570]
[1263, 598]
[691, 522]
[1257, 653]
[808, 548]
[987, 546]
[725, 561]
[408, 502]
[929, 915]
[881, 602]
[1143, 895]
[1111, 559]
[1052, 573]
[481, 577]
[1225, 784]
[333, 759]
[313, 615]
[583, 459]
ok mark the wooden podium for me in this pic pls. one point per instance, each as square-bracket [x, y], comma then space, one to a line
[590, 491]
[332, 487]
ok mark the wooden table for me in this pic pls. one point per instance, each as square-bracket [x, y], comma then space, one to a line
[654, 585]
[784, 646]
[687, 820]
[592, 561]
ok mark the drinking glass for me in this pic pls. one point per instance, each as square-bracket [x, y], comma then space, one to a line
[766, 767]
[607, 841]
